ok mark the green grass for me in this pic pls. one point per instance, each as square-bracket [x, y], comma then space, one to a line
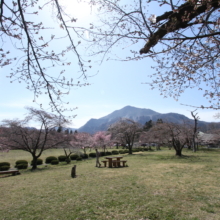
[155, 185]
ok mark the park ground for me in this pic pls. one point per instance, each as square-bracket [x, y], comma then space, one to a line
[155, 186]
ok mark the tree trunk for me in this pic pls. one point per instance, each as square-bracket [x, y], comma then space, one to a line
[194, 147]
[178, 152]
[34, 163]
[130, 150]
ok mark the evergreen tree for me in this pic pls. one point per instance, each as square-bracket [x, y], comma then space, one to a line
[159, 121]
[148, 125]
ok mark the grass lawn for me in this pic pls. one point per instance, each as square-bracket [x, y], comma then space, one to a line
[155, 185]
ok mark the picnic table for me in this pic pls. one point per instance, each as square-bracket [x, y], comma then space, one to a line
[115, 161]
[13, 172]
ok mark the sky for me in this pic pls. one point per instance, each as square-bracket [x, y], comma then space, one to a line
[113, 85]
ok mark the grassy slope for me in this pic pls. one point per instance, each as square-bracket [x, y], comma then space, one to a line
[156, 185]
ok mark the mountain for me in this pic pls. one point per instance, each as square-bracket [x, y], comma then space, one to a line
[140, 115]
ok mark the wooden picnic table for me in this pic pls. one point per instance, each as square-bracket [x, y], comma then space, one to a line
[13, 172]
[110, 160]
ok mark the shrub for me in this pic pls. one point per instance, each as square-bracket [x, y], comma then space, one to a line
[21, 166]
[49, 159]
[74, 156]
[92, 155]
[102, 154]
[54, 162]
[121, 151]
[146, 149]
[84, 156]
[79, 159]
[126, 151]
[115, 152]
[4, 164]
[108, 153]
[39, 161]
[67, 160]
[21, 162]
[62, 158]
[4, 168]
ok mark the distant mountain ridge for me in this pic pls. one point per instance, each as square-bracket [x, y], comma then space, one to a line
[140, 115]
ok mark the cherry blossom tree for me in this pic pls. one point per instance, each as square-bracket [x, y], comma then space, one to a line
[126, 131]
[102, 139]
[182, 38]
[16, 134]
[34, 55]
[158, 135]
[83, 140]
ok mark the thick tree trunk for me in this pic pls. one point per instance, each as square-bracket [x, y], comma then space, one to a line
[34, 164]
[178, 152]
[130, 150]
[194, 146]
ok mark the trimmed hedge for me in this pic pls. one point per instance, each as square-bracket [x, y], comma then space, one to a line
[79, 159]
[54, 162]
[51, 158]
[21, 166]
[39, 161]
[21, 162]
[92, 155]
[68, 161]
[85, 156]
[62, 158]
[115, 152]
[102, 154]
[2, 164]
[121, 152]
[108, 153]
[4, 168]
[74, 156]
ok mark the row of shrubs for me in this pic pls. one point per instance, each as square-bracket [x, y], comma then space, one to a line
[20, 164]
[23, 164]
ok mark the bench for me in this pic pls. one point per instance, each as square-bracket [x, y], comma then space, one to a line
[117, 163]
[13, 172]
[105, 162]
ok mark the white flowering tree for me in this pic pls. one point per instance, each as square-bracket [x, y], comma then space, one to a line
[17, 134]
[126, 131]
[30, 51]
[183, 38]
[102, 139]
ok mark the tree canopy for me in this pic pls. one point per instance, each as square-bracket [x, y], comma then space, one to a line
[17, 134]
[30, 45]
[183, 39]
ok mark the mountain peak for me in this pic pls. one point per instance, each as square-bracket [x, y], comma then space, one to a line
[140, 115]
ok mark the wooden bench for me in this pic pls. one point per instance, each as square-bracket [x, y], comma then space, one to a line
[105, 162]
[117, 163]
[13, 172]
